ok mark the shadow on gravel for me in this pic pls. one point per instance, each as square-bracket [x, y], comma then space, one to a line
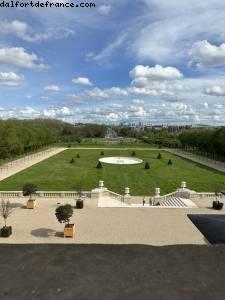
[18, 205]
[43, 232]
[211, 226]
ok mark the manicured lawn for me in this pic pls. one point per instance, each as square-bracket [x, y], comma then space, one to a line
[57, 173]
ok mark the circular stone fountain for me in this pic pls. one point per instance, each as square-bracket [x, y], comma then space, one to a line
[116, 160]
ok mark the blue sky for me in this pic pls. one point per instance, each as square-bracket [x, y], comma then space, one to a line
[122, 61]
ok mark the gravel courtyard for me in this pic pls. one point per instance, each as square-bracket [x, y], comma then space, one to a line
[156, 226]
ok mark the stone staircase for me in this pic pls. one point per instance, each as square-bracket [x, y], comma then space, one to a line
[177, 202]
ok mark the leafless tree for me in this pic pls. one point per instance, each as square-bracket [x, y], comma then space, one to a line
[5, 209]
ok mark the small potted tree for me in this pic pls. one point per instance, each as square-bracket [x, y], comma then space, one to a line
[63, 214]
[5, 211]
[28, 190]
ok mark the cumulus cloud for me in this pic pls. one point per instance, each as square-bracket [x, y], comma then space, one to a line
[156, 73]
[21, 30]
[215, 91]
[19, 57]
[155, 81]
[204, 54]
[104, 9]
[52, 89]
[10, 79]
[82, 81]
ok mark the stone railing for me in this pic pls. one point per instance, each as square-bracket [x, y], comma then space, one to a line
[162, 199]
[44, 194]
[206, 195]
[116, 196]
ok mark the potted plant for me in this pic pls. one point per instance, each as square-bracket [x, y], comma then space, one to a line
[63, 214]
[5, 211]
[99, 165]
[28, 190]
[217, 205]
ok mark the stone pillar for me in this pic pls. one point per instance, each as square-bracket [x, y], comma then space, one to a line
[157, 192]
[101, 183]
[127, 195]
[183, 184]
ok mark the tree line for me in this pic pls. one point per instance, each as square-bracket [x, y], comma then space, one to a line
[18, 137]
[209, 142]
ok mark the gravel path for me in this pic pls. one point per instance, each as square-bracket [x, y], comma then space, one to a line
[217, 165]
[21, 164]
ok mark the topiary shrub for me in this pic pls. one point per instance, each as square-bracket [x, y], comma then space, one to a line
[69, 146]
[72, 161]
[99, 165]
[29, 189]
[79, 204]
[102, 153]
[170, 162]
[147, 166]
[217, 205]
[63, 213]
[133, 153]
[6, 231]
[159, 156]
[78, 155]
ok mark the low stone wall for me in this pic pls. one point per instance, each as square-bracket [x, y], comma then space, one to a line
[43, 194]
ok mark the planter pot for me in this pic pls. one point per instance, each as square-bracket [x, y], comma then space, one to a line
[79, 204]
[31, 203]
[217, 205]
[69, 230]
[6, 231]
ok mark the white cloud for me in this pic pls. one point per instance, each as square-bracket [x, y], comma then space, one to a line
[167, 29]
[215, 91]
[45, 98]
[24, 32]
[52, 89]
[82, 81]
[104, 9]
[19, 57]
[10, 79]
[204, 54]
[156, 73]
[10, 76]
[138, 101]
[107, 51]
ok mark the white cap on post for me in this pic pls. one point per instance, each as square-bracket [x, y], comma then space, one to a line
[183, 184]
[101, 183]
[157, 191]
[127, 191]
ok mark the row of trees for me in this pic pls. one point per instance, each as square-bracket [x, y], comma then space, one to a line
[205, 141]
[19, 137]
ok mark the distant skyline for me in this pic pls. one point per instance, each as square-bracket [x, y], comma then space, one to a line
[149, 61]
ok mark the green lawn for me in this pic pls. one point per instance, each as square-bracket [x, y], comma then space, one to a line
[57, 173]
